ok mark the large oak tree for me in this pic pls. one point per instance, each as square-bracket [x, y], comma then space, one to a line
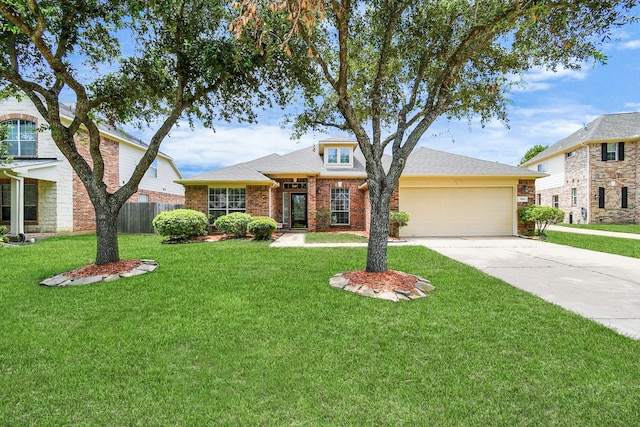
[390, 68]
[122, 61]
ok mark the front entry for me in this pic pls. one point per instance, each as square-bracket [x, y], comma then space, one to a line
[298, 210]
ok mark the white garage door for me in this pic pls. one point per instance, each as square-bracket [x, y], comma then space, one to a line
[458, 211]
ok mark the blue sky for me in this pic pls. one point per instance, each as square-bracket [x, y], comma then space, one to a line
[549, 108]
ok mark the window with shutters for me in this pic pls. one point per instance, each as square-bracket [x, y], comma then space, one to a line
[612, 151]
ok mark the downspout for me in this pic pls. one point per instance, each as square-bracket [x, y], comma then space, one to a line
[17, 204]
[588, 219]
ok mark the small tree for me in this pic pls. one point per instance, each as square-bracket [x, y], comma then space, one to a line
[397, 220]
[542, 216]
[532, 152]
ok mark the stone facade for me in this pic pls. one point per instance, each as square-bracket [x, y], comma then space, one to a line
[584, 174]
[526, 188]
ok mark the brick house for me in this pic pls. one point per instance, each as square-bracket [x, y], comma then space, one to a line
[40, 192]
[444, 194]
[593, 173]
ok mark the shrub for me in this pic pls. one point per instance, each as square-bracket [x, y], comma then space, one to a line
[234, 224]
[3, 239]
[323, 219]
[181, 224]
[397, 220]
[542, 216]
[262, 227]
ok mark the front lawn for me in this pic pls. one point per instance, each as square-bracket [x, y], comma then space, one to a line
[620, 228]
[612, 245]
[237, 333]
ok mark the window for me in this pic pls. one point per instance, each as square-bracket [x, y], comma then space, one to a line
[153, 169]
[340, 205]
[574, 197]
[624, 198]
[612, 151]
[223, 201]
[542, 167]
[555, 200]
[5, 202]
[21, 138]
[338, 156]
[571, 153]
[143, 198]
[30, 202]
[539, 198]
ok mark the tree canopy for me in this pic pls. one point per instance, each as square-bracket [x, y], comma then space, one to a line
[532, 152]
[126, 61]
[387, 69]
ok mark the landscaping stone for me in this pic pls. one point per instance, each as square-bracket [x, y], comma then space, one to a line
[421, 289]
[66, 279]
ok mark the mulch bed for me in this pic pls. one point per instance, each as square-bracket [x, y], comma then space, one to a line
[389, 280]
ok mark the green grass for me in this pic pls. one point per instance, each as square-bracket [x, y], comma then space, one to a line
[612, 245]
[237, 333]
[620, 228]
[334, 238]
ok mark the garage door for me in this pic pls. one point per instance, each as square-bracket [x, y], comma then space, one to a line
[458, 211]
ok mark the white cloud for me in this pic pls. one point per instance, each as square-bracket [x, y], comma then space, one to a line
[540, 79]
[201, 149]
[629, 45]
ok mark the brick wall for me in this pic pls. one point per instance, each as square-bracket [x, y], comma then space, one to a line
[83, 211]
[526, 187]
[158, 197]
[196, 197]
[258, 200]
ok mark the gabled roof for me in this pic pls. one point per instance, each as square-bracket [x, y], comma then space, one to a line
[422, 162]
[235, 173]
[607, 128]
[428, 162]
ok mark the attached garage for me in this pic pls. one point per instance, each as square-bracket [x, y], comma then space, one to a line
[451, 195]
[459, 211]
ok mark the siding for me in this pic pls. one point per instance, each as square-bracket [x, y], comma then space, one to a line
[555, 169]
[129, 157]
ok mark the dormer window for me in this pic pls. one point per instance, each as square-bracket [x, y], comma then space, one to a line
[338, 156]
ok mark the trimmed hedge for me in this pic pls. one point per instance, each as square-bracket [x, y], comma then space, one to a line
[234, 224]
[181, 224]
[262, 227]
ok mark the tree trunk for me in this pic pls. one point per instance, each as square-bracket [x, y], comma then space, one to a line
[107, 235]
[378, 230]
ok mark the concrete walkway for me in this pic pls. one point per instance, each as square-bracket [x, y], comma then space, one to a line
[602, 287]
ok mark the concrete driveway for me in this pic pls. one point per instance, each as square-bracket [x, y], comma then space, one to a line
[602, 287]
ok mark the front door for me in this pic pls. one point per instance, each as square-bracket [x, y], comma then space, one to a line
[298, 210]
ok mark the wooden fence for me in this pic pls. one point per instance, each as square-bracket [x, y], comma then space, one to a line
[136, 218]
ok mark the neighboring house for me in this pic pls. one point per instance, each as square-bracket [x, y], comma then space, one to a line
[444, 194]
[40, 192]
[593, 173]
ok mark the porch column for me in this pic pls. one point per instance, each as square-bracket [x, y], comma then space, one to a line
[17, 204]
